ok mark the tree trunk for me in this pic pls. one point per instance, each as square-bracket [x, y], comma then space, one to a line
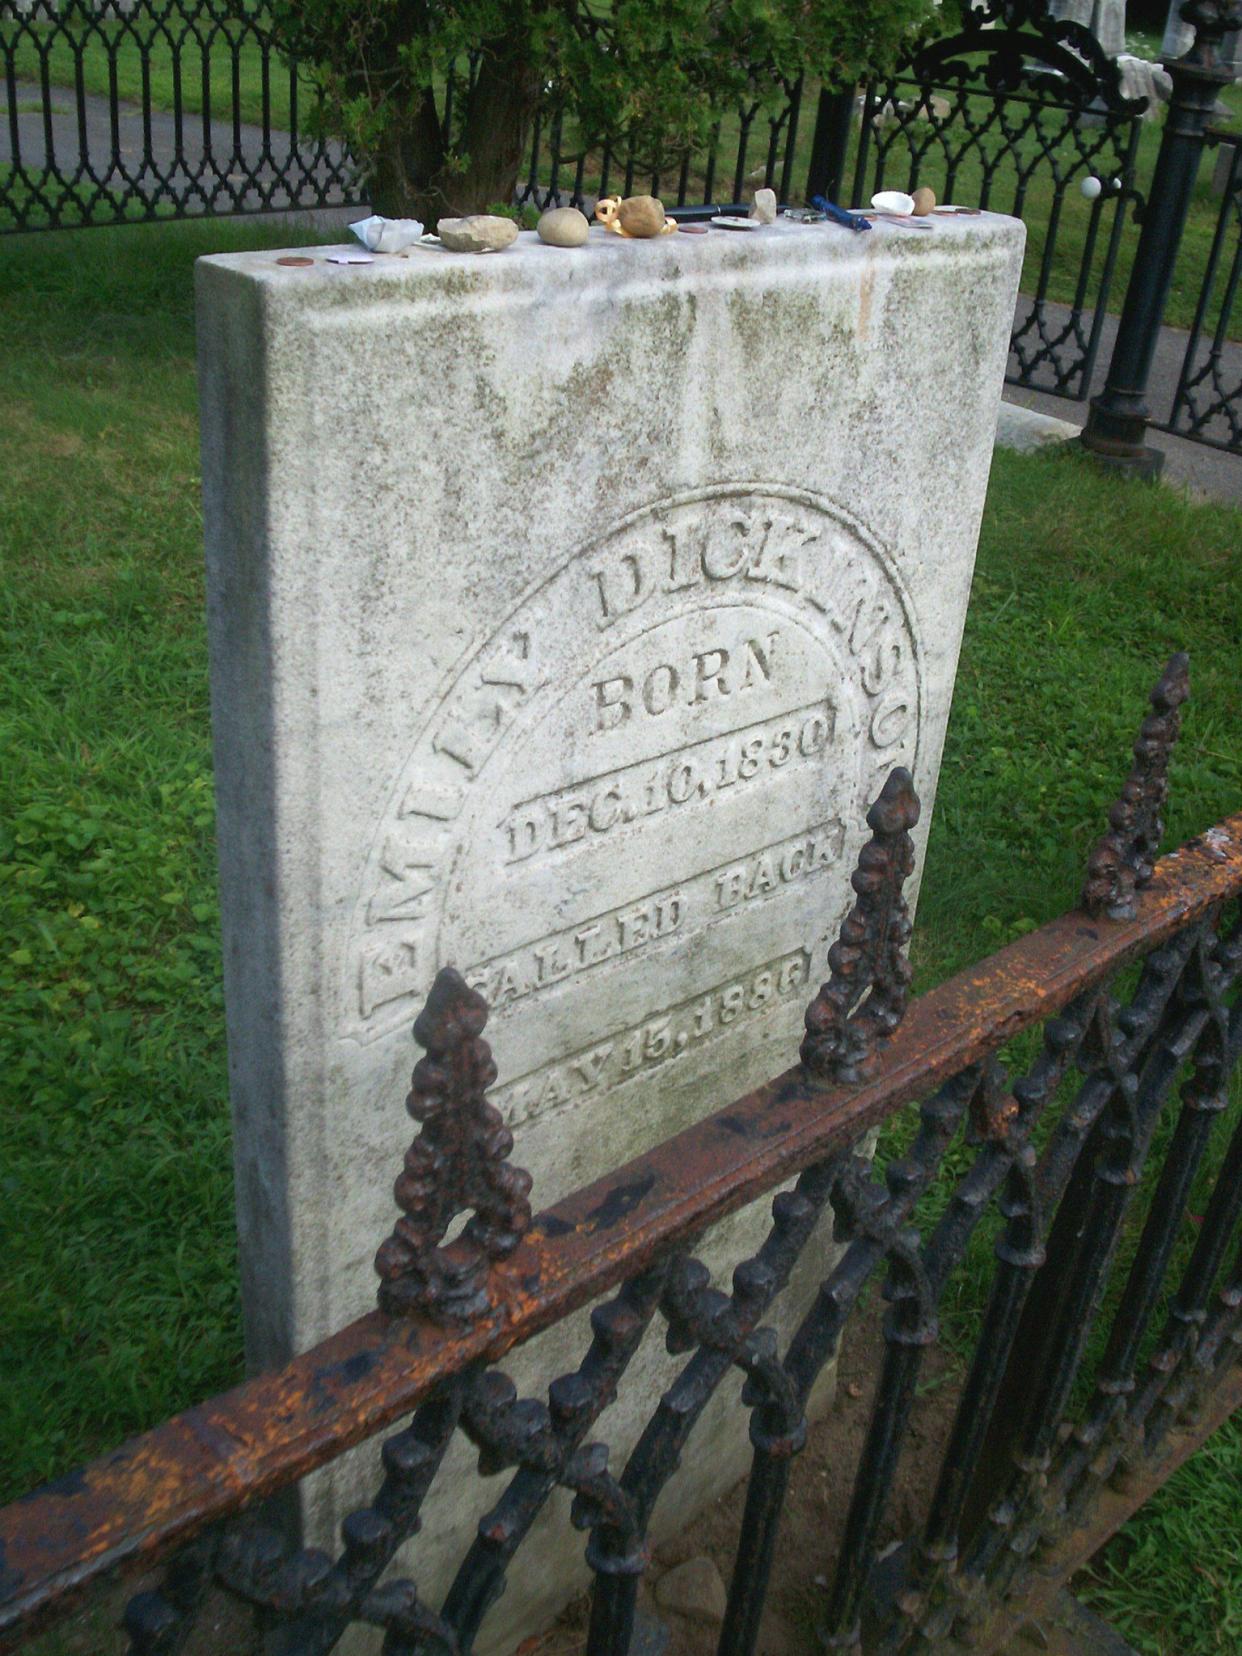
[414, 176]
[411, 153]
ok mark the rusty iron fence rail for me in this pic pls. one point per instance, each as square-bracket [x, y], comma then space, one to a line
[1111, 1342]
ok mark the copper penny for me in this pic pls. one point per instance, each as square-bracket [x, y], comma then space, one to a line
[694, 229]
[300, 263]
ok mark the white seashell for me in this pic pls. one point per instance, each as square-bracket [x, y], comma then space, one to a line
[893, 201]
[385, 235]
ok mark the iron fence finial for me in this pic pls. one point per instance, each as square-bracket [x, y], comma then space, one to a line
[1122, 860]
[458, 1161]
[868, 959]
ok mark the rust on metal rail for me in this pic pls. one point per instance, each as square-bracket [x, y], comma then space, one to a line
[155, 1492]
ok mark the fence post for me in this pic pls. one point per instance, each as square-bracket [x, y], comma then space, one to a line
[830, 143]
[1117, 424]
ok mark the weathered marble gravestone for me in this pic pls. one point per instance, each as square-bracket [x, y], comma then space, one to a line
[1105, 18]
[567, 610]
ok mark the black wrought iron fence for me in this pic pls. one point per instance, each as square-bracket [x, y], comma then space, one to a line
[1110, 1344]
[139, 109]
[1207, 404]
[118, 110]
[1019, 112]
[754, 148]
[1016, 113]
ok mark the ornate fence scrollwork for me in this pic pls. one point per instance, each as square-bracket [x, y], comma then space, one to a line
[124, 110]
[1013, 113]
[1111, 1338]
[457, 1162]
[1123, 861]
[1207, 404]
[868, 961]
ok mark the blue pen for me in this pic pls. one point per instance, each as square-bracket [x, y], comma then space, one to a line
[838, 215]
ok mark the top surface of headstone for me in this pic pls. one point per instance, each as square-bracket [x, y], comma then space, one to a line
[568, 609]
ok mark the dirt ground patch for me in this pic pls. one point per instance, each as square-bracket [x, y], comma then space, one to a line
[820, 1486]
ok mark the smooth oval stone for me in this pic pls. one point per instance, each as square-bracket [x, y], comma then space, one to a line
[924, 200]
[563, 227]
[641, 215]
[480, 233]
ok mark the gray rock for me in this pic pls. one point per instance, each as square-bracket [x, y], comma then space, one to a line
[563, 227]
[764, 207]
[693, 1590]
[1026, 429]
[480, 233]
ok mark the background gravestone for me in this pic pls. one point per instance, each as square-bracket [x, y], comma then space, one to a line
[567, 610]
[1106, 20]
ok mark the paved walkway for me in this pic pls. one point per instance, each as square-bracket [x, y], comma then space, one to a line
[212, 163]
[1205, 471]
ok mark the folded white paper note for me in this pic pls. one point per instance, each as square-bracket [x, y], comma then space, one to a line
[386, 235]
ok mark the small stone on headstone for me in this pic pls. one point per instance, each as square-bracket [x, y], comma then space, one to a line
[480, 233]
[563, 227]
[764, 207]
[641, 216]
[693, 1590]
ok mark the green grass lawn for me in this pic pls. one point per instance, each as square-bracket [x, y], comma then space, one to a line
[118, 1301]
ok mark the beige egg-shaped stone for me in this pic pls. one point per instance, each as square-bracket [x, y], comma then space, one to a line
[563, 227]
[641, 215]
[924, 200]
